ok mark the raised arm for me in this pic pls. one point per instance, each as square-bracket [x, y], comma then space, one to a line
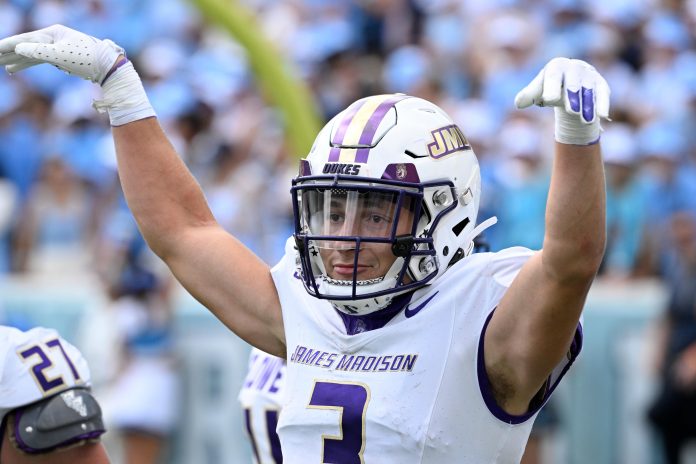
[534, 324]
[165, 199]
[174, 218]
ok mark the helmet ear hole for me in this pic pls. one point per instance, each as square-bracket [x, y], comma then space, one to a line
[445, 251]
[458, 228]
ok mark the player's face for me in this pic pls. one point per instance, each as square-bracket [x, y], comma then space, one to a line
[368, 215]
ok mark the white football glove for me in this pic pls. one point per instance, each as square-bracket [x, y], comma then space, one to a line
[579, 95]
[67, 49]
[87, 57]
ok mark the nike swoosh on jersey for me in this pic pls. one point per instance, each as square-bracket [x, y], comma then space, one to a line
[408, 312]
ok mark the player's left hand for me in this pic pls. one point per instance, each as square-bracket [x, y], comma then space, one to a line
[579, 95]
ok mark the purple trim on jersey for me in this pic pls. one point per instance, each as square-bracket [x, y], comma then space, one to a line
[537, 404]
[93, 435]
[376, 320]
[405, 172]
[337, 139]
[368, 134]
[271, 425]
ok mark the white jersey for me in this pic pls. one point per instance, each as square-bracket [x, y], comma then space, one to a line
[413, 391]
[36, 364]
[261, 398]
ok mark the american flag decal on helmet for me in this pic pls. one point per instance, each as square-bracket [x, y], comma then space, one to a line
[447, 140]
[355, 132]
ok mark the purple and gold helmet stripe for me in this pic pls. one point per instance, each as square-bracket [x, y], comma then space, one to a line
[343, 128]
[358, 127]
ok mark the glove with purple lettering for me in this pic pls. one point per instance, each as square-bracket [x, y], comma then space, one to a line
[578, 94]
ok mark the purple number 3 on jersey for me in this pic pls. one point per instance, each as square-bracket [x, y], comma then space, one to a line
[350, 399]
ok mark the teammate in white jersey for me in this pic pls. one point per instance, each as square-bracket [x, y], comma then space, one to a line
[261, 401]
[401, 345]
[47, 414]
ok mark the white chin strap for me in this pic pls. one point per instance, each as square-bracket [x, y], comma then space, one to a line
[362, 307]
[359, 306]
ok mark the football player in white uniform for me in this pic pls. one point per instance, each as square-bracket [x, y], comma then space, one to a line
[401, 345]
[261, 401]
[47, 413]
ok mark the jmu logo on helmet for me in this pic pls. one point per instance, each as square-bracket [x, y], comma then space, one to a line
[447, 140]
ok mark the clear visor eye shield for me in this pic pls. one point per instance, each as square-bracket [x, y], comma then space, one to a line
[348, 214]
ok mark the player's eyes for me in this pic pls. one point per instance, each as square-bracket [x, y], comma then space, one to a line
[375, 219]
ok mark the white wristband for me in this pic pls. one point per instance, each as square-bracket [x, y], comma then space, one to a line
[124, 97]
[570, 130]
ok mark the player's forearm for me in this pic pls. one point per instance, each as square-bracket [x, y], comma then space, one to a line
[575, 210]
[575, 213]
[162, 194]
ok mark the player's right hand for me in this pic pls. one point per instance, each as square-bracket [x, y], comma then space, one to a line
[67, 49]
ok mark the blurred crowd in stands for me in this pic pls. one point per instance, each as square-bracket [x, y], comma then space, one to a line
[60, 202]
[62, 211]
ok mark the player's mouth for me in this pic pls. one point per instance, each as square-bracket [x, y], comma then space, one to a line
[346, 270]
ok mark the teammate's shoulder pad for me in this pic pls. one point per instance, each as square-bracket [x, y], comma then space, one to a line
[62, 420]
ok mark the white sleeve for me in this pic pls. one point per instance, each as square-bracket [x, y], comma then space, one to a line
[506, 264]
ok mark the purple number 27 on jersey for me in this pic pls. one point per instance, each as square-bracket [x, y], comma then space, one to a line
[45, 362]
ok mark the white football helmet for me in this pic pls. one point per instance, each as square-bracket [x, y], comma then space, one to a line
[392, 170]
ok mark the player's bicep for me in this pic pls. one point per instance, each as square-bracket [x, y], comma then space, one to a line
[533, 326]
[233, 283]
